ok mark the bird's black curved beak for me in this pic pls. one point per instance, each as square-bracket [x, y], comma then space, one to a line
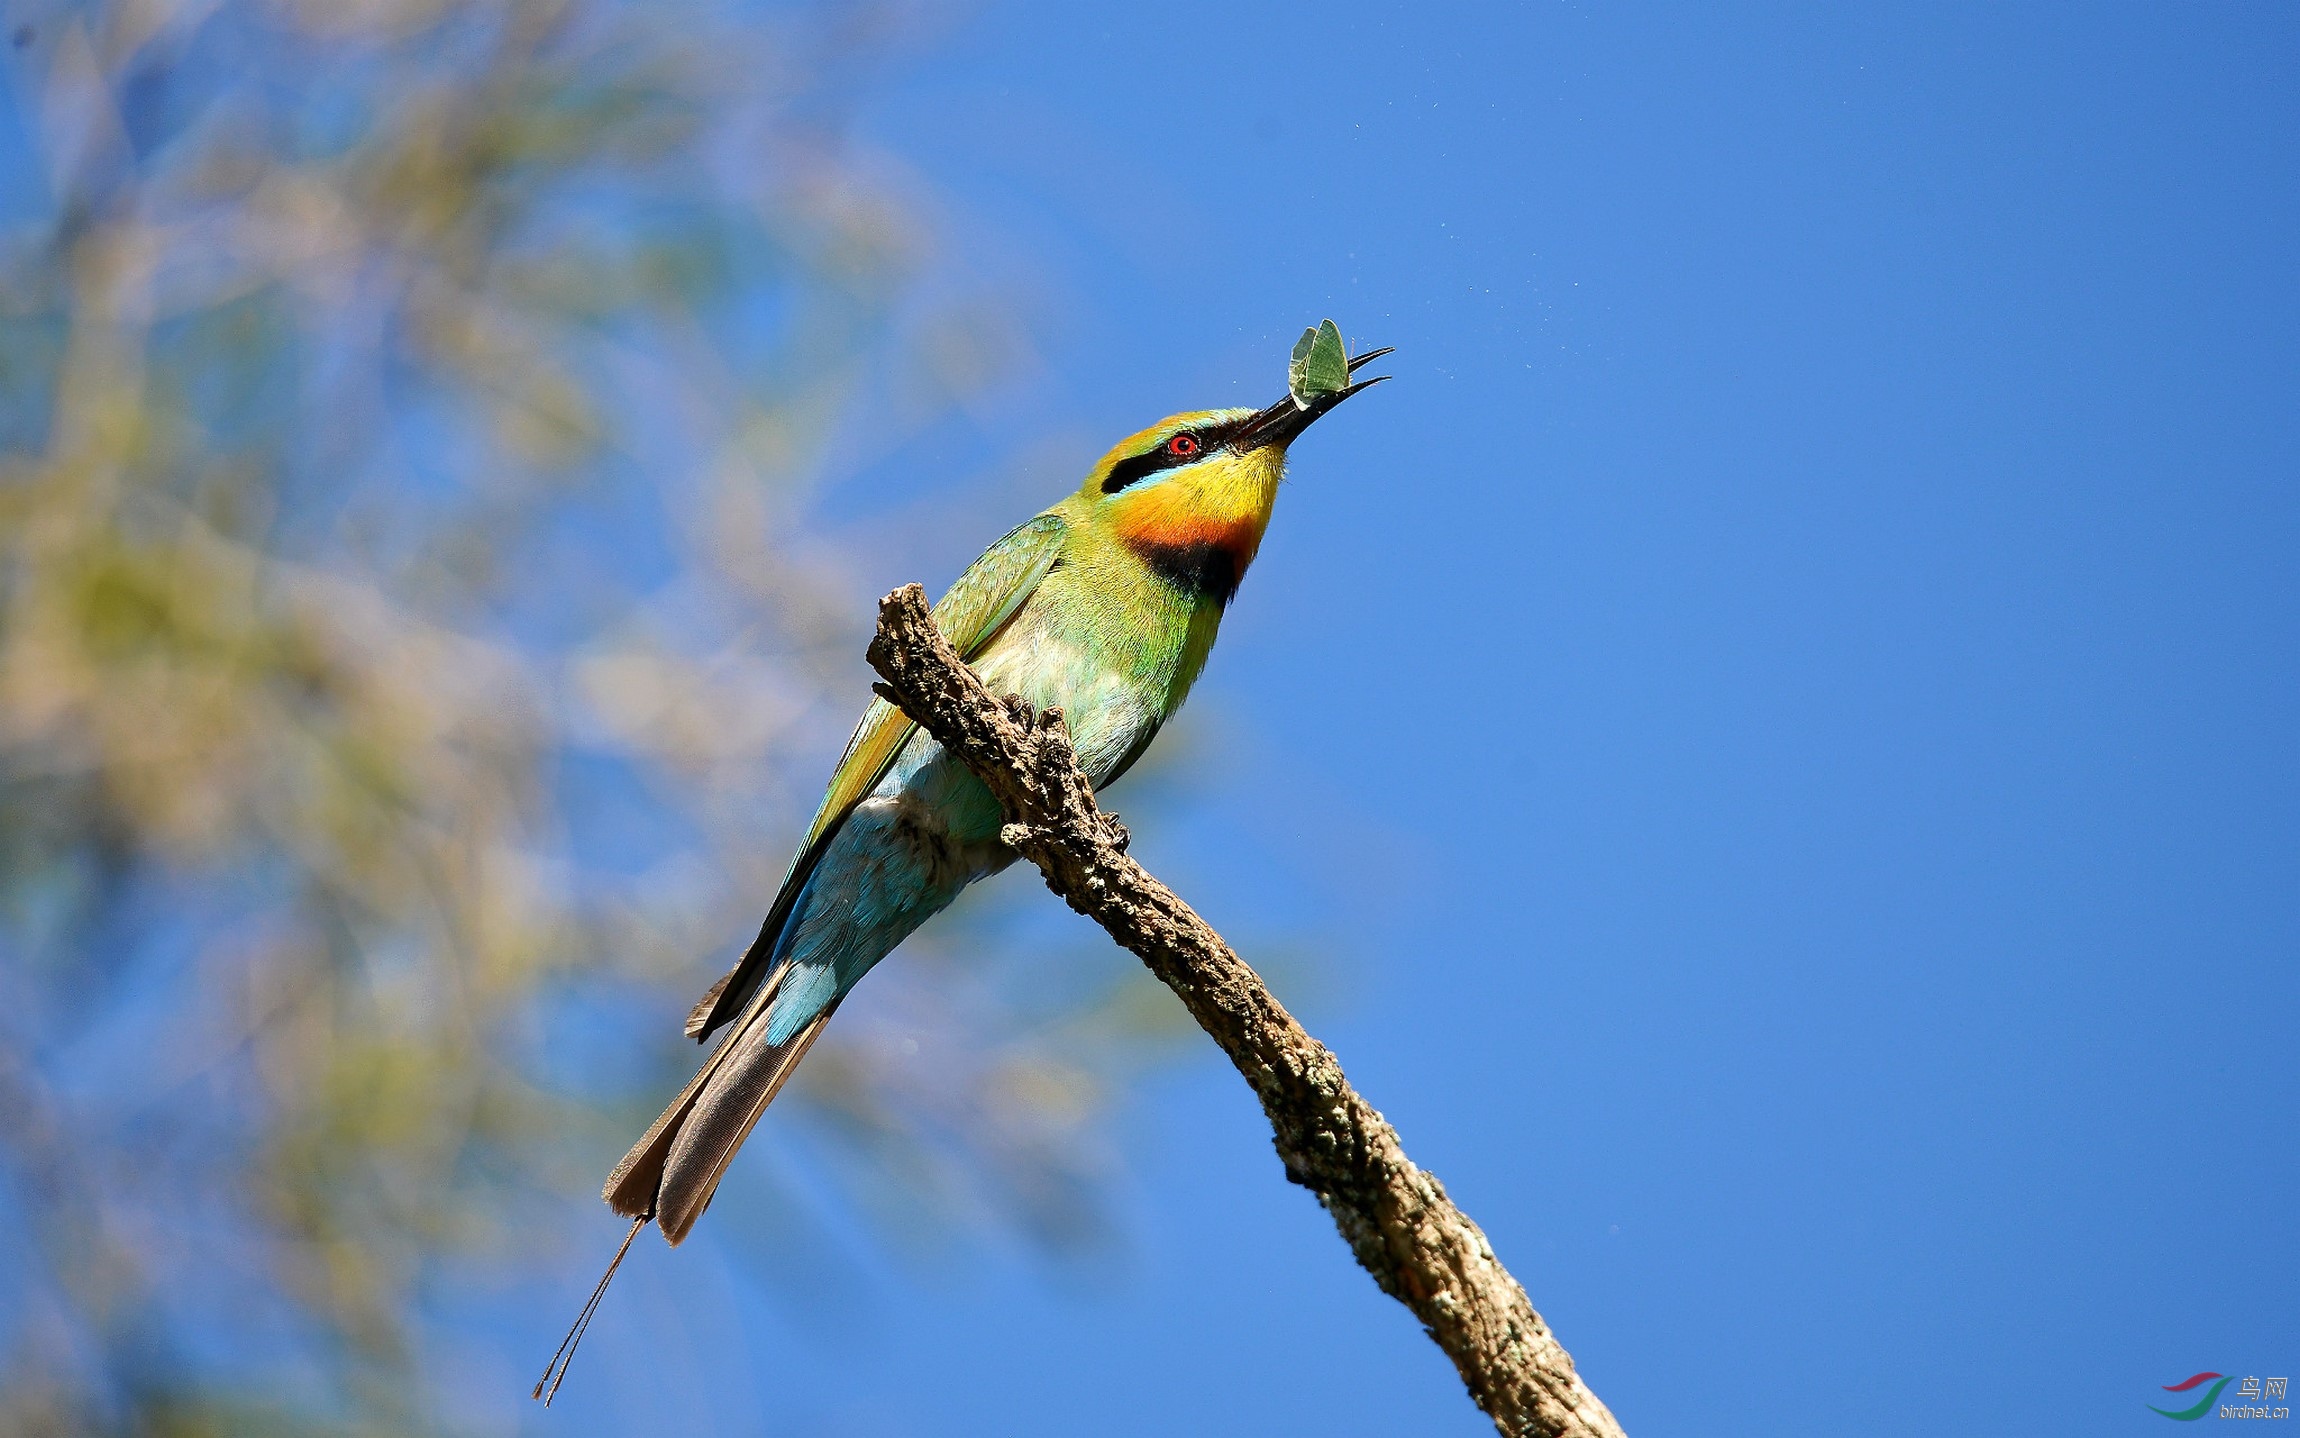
[1281, 422]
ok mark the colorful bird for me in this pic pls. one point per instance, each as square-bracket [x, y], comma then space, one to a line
[1105, 605]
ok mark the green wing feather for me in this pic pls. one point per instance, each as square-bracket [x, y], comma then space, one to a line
[970, 616]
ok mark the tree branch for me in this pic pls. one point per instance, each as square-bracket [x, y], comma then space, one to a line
[1422, 1250]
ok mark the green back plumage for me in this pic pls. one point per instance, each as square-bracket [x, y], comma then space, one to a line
[971, 614]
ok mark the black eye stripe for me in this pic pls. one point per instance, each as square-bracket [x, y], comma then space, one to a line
[1136, 468]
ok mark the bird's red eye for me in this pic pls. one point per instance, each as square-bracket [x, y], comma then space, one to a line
[1182, 446]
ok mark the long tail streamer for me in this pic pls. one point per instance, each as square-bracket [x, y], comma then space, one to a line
[562, 1360]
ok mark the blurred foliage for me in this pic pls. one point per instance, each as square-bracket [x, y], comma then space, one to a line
[411, 671]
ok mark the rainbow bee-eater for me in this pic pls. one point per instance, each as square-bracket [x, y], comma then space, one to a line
[1105, 606]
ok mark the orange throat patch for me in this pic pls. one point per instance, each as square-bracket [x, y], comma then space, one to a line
[1196, 553]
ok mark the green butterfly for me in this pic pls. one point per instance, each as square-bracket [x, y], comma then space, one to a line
[1320, 365]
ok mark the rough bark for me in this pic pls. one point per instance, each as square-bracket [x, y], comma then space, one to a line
[1419, 1247]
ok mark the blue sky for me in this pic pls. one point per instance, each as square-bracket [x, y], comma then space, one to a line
[1774, 734]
